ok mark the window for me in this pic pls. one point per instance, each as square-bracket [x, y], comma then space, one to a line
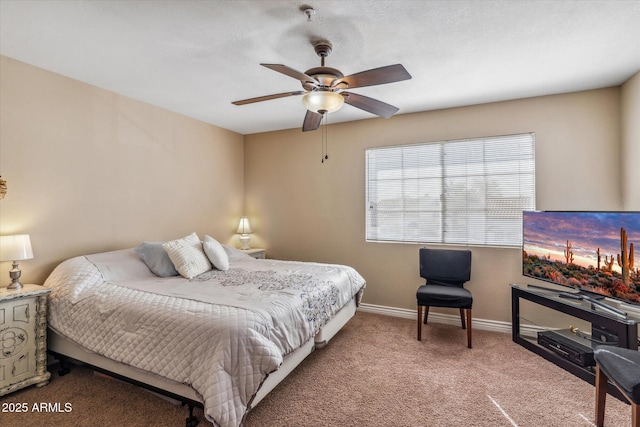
[469, 191]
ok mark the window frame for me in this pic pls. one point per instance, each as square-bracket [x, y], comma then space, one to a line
[495, 212]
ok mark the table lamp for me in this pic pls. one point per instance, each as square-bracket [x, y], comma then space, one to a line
[15, 248]
[244, 230]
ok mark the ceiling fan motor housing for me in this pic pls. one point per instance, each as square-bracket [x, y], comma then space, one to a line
[324, 77]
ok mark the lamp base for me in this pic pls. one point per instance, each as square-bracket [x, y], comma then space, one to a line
[14, 286]
[244, 239]
[15, 274]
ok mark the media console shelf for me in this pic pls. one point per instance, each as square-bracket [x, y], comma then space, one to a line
[625, 329]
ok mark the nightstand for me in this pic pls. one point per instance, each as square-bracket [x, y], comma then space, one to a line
[256, 253]
[23, 338]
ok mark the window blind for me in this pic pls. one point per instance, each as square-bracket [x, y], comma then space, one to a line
[469, 191]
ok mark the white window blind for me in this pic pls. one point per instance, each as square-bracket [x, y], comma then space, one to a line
[469, 191]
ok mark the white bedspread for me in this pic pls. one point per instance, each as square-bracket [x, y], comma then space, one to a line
[222, 332]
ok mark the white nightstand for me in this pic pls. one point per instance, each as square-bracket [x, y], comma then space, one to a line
[256, 253]
[23, 338]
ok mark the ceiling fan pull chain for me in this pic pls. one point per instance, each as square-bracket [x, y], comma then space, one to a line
[322, 141]
[323, 132]
[326, 138]
[322, 146]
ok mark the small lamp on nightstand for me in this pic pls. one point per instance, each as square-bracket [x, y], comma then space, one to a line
[244, 230]
[15, 248]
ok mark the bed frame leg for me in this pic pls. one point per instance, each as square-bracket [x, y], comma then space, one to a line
[192, 421]
[65, 367]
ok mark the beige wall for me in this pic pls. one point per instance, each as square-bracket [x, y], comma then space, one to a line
[89, 170]
[630, 126]
[303, 209]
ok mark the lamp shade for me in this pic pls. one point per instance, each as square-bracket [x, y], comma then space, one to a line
[15, 248]
[244, 227]
[323, 101]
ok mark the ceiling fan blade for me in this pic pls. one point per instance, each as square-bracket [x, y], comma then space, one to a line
[288, 71]
[371, 105]
[376, 76]
[268, 97]
[311, 121]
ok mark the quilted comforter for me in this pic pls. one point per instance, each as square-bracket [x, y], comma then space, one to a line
[221, 333]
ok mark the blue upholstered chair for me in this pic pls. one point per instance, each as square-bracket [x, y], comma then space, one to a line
[622, 367]
[446, 271]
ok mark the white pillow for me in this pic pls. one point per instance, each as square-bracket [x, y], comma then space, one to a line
[187, 256]
[216, 253]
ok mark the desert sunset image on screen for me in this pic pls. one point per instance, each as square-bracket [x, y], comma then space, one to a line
[590, 251]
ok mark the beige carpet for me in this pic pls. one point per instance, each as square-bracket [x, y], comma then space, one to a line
[373, 373]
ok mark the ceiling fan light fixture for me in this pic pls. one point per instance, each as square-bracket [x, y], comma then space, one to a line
[323, 101]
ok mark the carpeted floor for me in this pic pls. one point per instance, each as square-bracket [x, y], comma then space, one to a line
[373, 373]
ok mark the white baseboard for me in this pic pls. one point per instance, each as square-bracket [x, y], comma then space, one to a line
[449, 319]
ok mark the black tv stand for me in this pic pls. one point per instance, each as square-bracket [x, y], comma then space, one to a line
[625, 328]
[594, 299]
[542, 288]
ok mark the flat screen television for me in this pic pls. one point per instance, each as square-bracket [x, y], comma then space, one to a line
[592, 252]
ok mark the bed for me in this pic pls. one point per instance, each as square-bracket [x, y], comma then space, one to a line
[221, 340]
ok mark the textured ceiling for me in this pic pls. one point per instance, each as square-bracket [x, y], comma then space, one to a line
[196, 57]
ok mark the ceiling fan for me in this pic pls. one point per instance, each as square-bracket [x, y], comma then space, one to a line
[325, 88]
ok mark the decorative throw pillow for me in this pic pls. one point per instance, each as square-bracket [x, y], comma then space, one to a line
[187, 256]
[156, 258]
[216, 253]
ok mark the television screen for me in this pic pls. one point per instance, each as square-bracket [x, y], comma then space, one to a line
[588, 251]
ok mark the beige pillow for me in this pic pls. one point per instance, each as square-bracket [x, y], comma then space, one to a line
[187, 256]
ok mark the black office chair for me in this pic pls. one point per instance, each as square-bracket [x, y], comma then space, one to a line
[446, 272]
[622, 367]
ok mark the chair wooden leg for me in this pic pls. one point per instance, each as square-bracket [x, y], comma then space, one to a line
[468, 310]
[426, 313]
[635, 415]
[464, 325]
[419, 323]
[601, 395]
